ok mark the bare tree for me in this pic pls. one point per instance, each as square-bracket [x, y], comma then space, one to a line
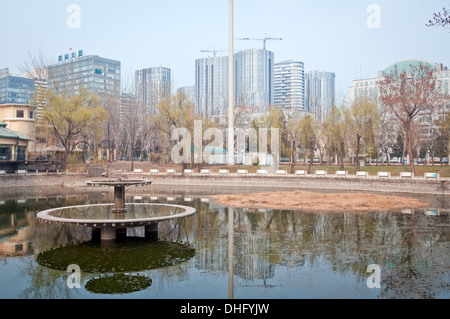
[407, 95]
[440, 19]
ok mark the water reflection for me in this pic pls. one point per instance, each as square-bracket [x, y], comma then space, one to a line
[249, 253]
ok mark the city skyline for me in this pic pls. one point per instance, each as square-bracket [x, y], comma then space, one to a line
[346, 43]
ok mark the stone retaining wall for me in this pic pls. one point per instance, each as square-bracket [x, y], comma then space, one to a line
[393, 185]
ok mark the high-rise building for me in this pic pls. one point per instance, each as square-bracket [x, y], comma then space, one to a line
[289, 85]
[320, 93]
[211, 86]
[15, 88]
[253, 80]
[96, 74]
[152, 86]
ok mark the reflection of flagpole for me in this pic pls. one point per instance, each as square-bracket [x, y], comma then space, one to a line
[230, 252]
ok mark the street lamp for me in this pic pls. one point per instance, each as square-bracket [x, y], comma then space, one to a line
[230, 131]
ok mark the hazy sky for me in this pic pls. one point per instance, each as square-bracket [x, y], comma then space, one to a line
[324, 34]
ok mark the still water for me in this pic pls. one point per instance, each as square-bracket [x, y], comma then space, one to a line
[222, 252]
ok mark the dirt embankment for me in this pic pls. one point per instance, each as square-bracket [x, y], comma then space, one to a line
[318, 201]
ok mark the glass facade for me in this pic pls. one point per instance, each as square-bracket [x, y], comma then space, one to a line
[152, 86]
[96, 74]
[253, 80]
[211, 86]
[320, 93]
[289, 85]
[16, 89]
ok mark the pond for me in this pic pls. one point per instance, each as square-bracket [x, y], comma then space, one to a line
[223, 252]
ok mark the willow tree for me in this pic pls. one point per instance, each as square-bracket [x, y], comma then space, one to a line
[307, 130]
[364, 119]
[409, 94]
[174, 117]
[336, 127]
[72, 120]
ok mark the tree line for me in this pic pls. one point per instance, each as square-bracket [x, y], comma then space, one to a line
[408, 118]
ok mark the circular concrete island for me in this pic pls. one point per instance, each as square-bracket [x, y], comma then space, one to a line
[104, 217]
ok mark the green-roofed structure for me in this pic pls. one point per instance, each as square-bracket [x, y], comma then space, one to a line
[13, 145]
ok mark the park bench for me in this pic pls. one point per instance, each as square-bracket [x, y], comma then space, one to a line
[242, 172]
[362, 174]
[261, 172]
[2, 172]
[154, 171]
[321, 173]
[341, 173]
[188, 171]
[138, 171]
[21, 172]
[223, 171]
[205, 171]
[384, 175]
[406, 175]
[431, 176]
[300, 173]
[281, 172]
[170, 171]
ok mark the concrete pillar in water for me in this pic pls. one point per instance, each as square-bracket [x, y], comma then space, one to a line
[108, 233]
[119, 199]
[151, 231]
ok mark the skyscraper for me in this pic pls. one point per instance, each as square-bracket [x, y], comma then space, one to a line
[211, 86]
[319, 93]
[96, 74]
[289, 85]
[254, 70]
[152, 86]
[253, 80]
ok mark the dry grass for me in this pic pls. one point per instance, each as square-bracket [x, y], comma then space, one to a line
[319, 201]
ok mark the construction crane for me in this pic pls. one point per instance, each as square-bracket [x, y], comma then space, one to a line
[265, 39]
[213, 51]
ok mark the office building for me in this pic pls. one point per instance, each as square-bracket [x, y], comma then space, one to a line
[15, 88]
[100, 76]
[320, 93]
[289, 85]
[152, 86]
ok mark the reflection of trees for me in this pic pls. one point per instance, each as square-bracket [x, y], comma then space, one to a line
[349, 242]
